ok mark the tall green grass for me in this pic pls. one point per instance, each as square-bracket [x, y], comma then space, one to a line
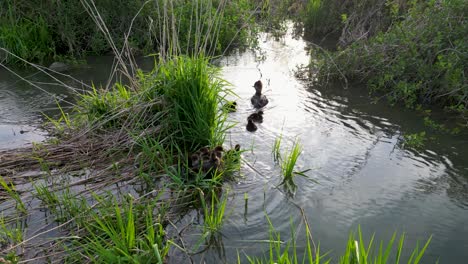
[194, 92]
[356, 251]
[125, 235]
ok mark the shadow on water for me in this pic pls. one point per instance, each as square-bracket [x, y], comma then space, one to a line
[352, 145]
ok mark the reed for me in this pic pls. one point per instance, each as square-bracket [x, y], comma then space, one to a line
[276, 152]
[288, 167]
[213, 213]
[356, 252]
[126, 234]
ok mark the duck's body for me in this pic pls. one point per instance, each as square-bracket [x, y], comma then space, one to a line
[256, 117]
[251, 127]
[258, 100]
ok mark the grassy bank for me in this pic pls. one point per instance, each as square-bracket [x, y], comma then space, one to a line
[414, 53]
[40, 30]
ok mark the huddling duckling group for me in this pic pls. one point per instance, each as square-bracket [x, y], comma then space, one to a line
[207, 161]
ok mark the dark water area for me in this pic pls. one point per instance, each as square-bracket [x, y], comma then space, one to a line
[352, 146]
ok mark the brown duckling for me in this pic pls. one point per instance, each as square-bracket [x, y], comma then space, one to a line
[204, 152]
[211, 164]
[256, 117]
[234, 153]
[195, 162]
[251, 127]
[218, 151]
[258, 100]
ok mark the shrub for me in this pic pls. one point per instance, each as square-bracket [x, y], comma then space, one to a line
[419, 60]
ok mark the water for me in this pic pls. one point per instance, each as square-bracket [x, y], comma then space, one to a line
[352, 146]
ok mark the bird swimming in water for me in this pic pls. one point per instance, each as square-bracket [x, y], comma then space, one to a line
[256, 117]
[258, 100]
[251, 127]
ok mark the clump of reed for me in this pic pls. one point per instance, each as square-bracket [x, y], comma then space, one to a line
[356, 251]
[288, 162]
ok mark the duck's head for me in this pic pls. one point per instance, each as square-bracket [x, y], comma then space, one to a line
[204, 151]
[218, 151]
[258, 85]
[215, 161]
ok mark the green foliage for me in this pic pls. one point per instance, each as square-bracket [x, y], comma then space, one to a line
[421, 59]
[13, 194]
[276, 152]
[28, 39]
[353, 19]
[288, 254]
[183, 94]
[288, 165]
[106, 105]
[415, 140]
[356, 251]
[125, 235]
[194, 93]
[37, 30]
[213, 213]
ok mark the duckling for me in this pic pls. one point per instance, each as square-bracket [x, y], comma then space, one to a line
[251, 127]
[204, 152]
[195, 162]
[218, 151]
[258, 100]
[256, 117]
[211, 164]
[231, 106]
[234, 153]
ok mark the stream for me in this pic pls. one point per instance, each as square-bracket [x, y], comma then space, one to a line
[362, 175]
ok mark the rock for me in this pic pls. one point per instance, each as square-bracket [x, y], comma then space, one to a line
[59, 66]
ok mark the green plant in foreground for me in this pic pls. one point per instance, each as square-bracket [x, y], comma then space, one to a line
[357, 252]
[125, 234]
[11, 191]
[281, 252]
[213, 213]
[276, 148]
[288, 165]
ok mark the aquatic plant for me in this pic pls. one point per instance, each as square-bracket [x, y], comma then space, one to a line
[356, 252]
[276, 152]
[213, 213]
[13, 194]
[288, 166]
[415, 140]
[126, 234]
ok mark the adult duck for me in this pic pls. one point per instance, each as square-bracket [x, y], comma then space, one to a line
[258, 100]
